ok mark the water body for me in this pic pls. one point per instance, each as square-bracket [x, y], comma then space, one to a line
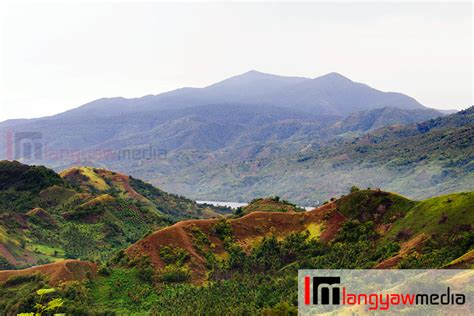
[235, 205]
[220, 203]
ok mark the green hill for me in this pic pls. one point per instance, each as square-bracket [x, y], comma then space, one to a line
[248, 265]
[84, 213]
[271, 204]
[377, 206]
[446, 214]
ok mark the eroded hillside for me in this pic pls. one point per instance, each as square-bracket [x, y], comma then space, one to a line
[85, 213]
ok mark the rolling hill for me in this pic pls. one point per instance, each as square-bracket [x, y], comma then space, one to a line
[270, 204]
[249, 264]
[385, 218]
[84, 212]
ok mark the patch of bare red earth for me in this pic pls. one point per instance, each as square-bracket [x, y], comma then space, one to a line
[26, 256]
[57, 272]
[406, 248]
[120, 178]
[246, 230]
[4, 252]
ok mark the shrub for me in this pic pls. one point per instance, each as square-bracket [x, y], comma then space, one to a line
[353, 231]
[144, 268]
[119, 258]
[174, 273]
[74, 291]
[386, 251]
[239, 211]
[237, 257]
[199, 237]
[280, 309]
[222, 229]
[20, 279]
[354, 189]
[175, 255]
[146, 274]
[104, 271]
[404, 234]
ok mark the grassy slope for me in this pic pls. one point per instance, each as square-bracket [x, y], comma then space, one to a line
[375, 205]
[438, 215]
[383, 212]
[269, 205]
[85, 213]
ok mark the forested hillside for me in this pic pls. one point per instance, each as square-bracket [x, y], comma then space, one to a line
[419, 160]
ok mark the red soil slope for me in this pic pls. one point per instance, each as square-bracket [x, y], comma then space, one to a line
[114, 179]
[120, 180]
[406, 248]
[57, 272]
[247, 231]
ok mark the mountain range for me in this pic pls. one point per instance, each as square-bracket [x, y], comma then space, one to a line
[251, 120]
[420, 160]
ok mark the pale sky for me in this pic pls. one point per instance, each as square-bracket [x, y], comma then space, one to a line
[59, 56]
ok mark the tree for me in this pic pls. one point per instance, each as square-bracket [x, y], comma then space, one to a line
[354, 189]
[47, 308]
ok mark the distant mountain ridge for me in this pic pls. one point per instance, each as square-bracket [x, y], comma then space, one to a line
[376, 118]
[253, 116]
[419, 159]
[330, 94]
[212, 117]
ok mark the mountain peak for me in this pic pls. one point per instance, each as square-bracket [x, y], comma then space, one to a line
[253, 72]
[254, 80]
[333, 76]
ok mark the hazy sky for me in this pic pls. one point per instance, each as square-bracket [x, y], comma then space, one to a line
[58, 56]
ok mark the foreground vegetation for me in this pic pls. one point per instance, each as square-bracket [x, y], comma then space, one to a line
[261, 282]
[262, 279]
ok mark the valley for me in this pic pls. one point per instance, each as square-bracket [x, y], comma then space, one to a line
[238, 158]
[390, 182]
